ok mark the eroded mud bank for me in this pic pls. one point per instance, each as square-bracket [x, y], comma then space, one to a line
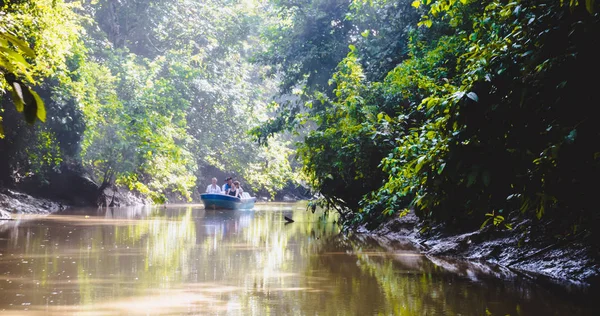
[12, 202]
[569, 261]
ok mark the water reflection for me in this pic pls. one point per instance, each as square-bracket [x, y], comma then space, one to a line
[187, 260]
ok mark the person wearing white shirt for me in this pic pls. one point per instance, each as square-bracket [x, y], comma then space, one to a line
[213, 187]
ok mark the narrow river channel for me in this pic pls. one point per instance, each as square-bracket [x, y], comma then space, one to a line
[184, 260]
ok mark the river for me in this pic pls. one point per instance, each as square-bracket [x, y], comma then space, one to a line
[184, 260]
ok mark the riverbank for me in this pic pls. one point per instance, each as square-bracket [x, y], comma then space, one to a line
[13, 202]
[569, 262]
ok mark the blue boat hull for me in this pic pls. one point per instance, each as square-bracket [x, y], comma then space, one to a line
[222, 201]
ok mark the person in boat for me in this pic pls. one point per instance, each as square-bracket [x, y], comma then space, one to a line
[228, 184]
[238, 186]
[213, 187]
[235, 190]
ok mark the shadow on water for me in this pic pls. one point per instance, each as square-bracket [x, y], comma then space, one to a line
[187, 260]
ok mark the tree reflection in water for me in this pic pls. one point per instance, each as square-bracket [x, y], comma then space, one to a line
[194, 261]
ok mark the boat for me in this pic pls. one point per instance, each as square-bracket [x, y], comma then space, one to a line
[228, 202]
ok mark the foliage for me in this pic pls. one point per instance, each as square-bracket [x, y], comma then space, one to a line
[271, 170]
[35, 39]
[485, 109]
[465, 111]
[149, 95]
[123, 137]
[45, 154]
[343, 146]
[349, 118]
[498, 136]
[342, 154]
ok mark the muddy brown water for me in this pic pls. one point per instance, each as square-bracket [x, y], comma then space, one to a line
[184, 260]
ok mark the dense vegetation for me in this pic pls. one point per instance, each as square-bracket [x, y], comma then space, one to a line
[155, 96]
[470, 112]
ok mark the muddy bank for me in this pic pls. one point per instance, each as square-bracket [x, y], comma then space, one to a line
[569, 261]
[12, 202]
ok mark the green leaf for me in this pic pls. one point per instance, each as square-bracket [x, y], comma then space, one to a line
[30, 106]
[485, 223]
[404, 212]
[7, 64]
[525, 206]
[498, 219]
[41, 109]
[22, 45]
[540, 211]
[420, 163]
[431, 102]
[441, 168]
[16, 58]
[589, 5]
